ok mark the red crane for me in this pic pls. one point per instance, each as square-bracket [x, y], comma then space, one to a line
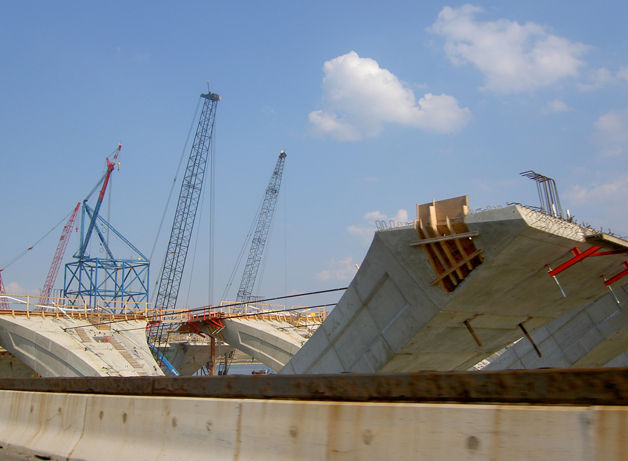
[56, 261]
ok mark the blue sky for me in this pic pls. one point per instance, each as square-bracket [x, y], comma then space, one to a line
[379, 106]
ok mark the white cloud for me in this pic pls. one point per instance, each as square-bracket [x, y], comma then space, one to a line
[365, 230]
[598, 79]
[611, 133]
[14, 288]
[612, 127]
[512, 57]
[339, 270]
[359, 97]
[601, 204]
[600, 194]
[555, 106]
[622, 73]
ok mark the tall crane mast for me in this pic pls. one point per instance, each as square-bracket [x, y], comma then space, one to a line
[264, 221]
[56, 260]
[172, 272]
[185, 214]
[3, 300]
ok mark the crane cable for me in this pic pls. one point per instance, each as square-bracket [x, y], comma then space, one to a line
[16, 258]
[245, 245]
[174, 181]
[202, 309]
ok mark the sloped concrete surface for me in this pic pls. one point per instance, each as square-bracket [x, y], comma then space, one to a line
[12, 367]
[594, 335]
[61, 347]
[391, 319]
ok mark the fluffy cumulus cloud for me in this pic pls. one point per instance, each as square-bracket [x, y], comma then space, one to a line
[359, 97]
[374, 220]
[611, 133]
[513, 57]
[600, 193]
[344, 269]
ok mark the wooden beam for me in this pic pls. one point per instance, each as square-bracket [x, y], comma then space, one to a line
[451, 269]
[445, 238]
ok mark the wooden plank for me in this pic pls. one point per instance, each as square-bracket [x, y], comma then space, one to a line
[461, 263]
[419, 226]
[438, 251]
[450, 257]
[459, 245]
[434, 213]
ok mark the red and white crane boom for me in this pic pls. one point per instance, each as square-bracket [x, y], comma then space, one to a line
[58, 257]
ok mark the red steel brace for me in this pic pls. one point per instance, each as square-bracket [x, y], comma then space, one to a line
[618, 276]
[580, 255]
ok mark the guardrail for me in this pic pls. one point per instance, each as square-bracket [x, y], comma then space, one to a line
[28, 305]
[299, 316]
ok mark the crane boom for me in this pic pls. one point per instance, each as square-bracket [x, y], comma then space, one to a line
[261, 232]
[185, 214]
[56, 260]
[110, 166]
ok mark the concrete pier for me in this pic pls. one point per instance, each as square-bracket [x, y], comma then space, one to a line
[272, 342]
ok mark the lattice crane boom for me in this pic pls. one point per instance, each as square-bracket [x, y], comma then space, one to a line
[262, 228]
[58, 257]
[187, 205]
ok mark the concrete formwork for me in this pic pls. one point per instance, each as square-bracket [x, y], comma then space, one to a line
[392, 318]
[72, 347]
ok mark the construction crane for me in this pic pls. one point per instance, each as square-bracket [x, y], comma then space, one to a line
[189, 197]
[105, 181]
[264, 221]
[3, 299]
[56, 260]
[107, 280]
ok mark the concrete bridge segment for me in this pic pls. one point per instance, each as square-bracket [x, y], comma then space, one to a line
[393, 319]
[54, 347]
[272, 342]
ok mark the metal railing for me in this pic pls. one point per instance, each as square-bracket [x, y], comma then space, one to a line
[28, 305]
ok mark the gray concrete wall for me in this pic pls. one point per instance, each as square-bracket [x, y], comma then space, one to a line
[105, 427]
[391, 319]
[594, 335]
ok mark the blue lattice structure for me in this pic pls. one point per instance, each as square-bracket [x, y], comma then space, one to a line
[109, 283]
